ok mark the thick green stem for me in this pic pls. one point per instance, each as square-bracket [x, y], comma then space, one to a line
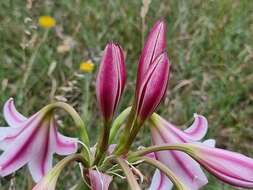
[118, 123]
[136, 128]
[103, 142]
[120, 148]
[162, 167]
[129, 175]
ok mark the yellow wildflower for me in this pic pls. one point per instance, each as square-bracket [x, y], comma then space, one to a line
[46, 21]
[87, 66]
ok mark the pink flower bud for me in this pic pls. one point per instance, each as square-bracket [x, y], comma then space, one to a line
[153, 86]
[153, 72]
[110, 80]
[153, 47]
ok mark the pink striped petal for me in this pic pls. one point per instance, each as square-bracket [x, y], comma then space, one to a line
[49, 141]
[66, 145]
[160, 182]
[8, 134]
[184, 167]
[149, 95]
[99, 180]
[41, 161]
[195, 132]
[153, 47]
[63, 145]
[5, 132]
[198, 129]
[19, 151]
[11, 115]
[233, 168]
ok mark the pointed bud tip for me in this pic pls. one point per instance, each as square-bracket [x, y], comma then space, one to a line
[161, 24]
[10, 99]
[112, 43]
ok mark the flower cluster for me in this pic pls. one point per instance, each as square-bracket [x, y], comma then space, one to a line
[178, 156]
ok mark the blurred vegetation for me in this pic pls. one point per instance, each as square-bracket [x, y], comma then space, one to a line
[210, 45]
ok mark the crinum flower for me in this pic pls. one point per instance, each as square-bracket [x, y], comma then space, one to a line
[31, 141]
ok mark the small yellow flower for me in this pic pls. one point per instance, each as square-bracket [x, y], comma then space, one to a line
[87, 66]
[46, 21]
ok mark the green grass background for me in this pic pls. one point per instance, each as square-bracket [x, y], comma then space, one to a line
[210, 45]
